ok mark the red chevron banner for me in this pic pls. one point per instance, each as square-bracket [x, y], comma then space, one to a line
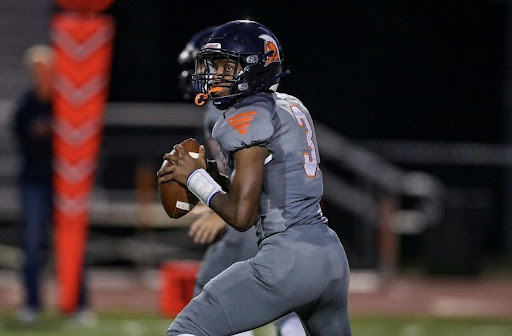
[83, 51]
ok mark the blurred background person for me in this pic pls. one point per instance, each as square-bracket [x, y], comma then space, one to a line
[32, 129]
[227, 245]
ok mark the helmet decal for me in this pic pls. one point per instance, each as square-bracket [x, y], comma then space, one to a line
[270, 45]
[212, 46]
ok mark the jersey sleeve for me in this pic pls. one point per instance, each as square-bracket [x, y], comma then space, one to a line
[247, 127]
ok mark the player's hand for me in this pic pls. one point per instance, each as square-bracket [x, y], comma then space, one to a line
[206, 229]
[165, 171]
[183, 165]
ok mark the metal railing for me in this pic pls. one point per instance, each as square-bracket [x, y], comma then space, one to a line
[373, 198]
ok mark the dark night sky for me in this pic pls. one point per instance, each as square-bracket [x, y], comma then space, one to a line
[407, 70]
[393, 70]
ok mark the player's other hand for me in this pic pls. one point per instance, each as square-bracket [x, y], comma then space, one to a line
[206, 229]
[182, 165]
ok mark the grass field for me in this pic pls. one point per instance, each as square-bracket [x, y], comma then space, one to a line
[151, 325]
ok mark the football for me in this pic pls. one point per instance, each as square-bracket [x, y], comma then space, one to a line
[176, 199]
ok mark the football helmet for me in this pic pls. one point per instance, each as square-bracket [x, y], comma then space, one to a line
[187, 58]
[257, 54]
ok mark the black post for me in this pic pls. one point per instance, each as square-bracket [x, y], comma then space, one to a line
[507, 197]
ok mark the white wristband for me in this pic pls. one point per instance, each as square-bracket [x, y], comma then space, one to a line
[202, 185]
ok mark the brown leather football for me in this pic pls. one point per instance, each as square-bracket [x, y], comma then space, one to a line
[176, 199]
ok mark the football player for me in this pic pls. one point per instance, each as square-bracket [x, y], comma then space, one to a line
[227, 245]
[275, 185]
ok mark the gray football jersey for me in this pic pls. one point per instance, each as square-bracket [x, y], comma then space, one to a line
[283, 125]
[211, 115]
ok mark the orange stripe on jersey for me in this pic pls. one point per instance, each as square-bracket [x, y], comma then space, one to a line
[241, 126]
[240, 115]
[242, 121]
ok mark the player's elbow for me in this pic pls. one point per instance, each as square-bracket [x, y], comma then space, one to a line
[239, 213]
[242, 227]
[243, 222]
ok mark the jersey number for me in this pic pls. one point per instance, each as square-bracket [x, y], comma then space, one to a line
[310, 158]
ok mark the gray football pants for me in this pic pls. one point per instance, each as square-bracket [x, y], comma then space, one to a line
[303, 269]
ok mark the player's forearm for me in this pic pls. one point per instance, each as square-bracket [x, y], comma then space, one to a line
[234, 211]
[237, 205]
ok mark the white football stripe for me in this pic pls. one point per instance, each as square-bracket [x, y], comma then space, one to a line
[183, 205]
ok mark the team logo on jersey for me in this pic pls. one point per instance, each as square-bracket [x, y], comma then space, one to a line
[270, 44]
[242, 121]
[212, 46]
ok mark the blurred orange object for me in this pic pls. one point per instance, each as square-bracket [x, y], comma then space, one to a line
[178, 279]
[83, 51]
[85, 6]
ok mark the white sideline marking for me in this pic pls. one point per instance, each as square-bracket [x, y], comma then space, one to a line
[456, 306]
[364, 282]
